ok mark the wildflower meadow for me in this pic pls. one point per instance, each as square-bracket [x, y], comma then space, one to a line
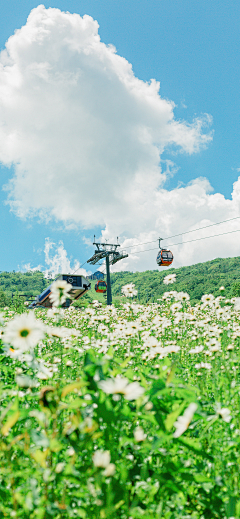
[128, 411]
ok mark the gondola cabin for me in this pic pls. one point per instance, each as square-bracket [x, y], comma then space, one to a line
[164, 258]
[80, 285]
[101, 286]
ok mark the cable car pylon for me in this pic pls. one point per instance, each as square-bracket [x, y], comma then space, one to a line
[112, 255]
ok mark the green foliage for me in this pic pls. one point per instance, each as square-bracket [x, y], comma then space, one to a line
[30, 283]
[196, 280]
[236, 289]
[4, 299]
[51, 429]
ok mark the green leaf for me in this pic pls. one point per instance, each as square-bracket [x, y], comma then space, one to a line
[70, 387]
[10, 423]
[171, 418]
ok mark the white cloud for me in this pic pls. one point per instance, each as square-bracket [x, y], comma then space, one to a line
[86, 137]
[57, 261]
[27, 268]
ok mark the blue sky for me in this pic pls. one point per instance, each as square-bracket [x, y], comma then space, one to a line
[192, 48]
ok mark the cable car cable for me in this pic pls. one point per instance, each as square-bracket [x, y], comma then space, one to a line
[189, 241]
[174, 236]
[186, 232]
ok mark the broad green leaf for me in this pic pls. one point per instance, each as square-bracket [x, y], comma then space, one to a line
[70, 387]
[40, 457]
[10, 423]
[120, 503]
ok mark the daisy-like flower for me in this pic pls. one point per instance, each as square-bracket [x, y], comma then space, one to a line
[25, 381]
[183, 421]
[237, 304]
[59, 292]
[101, 458]
[121, 385]
[182, 296]
[207, 299]
[151, 342]
[109, 470]
[175, 307]
[23, 332]
[139, 434]
[224, 412]
[169, 295]
[197, 349]
[129, 290]
[168, 280]
[203, 365]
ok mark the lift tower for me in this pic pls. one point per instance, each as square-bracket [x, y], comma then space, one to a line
[112, 255]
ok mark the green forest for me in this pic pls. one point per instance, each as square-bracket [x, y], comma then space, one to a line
[25, 284]
[196, 280]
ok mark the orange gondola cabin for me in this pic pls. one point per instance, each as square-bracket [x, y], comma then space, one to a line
[164, 257]
[101, 286]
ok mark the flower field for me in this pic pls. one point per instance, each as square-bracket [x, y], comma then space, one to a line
[121, 412]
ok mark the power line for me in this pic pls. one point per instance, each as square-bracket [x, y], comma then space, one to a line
[182, 233]
[174, 236]
[189, 241]
[80, 266]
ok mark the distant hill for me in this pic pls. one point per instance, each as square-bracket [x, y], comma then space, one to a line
[29, 283]
[196, 280]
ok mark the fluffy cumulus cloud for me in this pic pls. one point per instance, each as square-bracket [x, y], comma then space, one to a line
[57, 261]
[86, 136]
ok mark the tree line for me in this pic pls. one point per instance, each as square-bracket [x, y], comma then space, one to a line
[196, 280]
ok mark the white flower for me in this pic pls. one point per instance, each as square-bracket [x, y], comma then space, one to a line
[224, 412]
[207, 299]
[129, 290]
[205, 365]
[23, 332]
[175, 307]
[95, 303]
[172, 348]
[151, 342]
[109, 470]
[237, 304]
[25, 381]
[221, 288]
[139, 434]
[70, 451]
[59, 467]
[43, 372]
[182, 296]
[170, 294]
[121, 385]
[183, 421]
[59, 331]
[171, 278]
[59, 292]
[198, 349]
[101, 458]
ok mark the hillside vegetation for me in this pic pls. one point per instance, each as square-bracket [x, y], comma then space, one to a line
[196, 280]
[28, 283]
